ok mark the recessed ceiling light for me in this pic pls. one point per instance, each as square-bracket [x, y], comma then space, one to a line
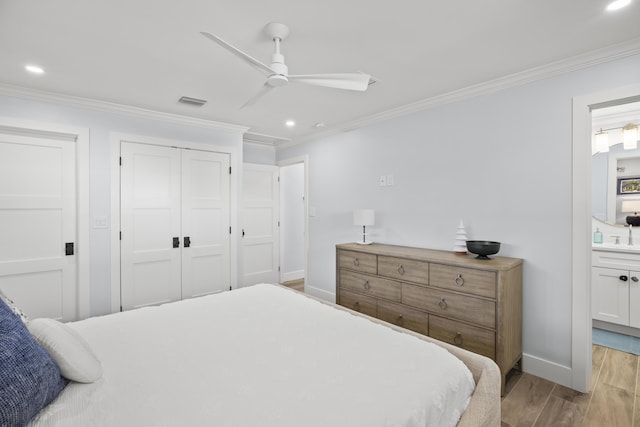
[618, 4]
[34, 69]
[290, 123]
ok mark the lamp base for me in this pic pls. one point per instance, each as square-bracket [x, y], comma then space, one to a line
[633, 220]
[363, 243]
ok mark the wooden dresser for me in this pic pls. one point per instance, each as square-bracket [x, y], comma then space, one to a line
[475, 304]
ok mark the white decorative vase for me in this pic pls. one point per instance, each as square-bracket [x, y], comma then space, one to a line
[460, 246]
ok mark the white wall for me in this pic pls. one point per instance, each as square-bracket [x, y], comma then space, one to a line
[258, 153]
[501, 162]
[292, 220]
[101, 125]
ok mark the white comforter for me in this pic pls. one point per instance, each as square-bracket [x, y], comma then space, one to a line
[259, 356]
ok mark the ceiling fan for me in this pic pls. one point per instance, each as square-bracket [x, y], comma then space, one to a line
[278, 73]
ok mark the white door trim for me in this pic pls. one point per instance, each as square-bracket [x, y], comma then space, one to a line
[116, 139]
[81, 138]
[288, 162]
[581, 230]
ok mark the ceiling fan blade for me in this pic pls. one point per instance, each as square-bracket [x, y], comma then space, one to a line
[265, 69]
[349, 81]
[265, 89]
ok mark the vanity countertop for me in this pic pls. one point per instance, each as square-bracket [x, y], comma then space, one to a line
[611, 247]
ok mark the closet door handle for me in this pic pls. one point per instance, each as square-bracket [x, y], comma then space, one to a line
[634, 278]
[623, 278]
[176, 242]
[187, 241]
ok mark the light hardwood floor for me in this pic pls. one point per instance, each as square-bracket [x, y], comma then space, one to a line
[298, 285]
[613, 400]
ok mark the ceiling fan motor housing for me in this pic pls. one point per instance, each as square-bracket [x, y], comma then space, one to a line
[281, 71]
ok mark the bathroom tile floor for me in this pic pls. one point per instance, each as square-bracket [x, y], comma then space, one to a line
[617, 341]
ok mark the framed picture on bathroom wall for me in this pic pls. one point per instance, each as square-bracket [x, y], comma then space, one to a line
[629, 185]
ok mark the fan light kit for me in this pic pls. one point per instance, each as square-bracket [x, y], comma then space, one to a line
[278, 73]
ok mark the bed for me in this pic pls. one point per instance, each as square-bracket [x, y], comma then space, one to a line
[264, 356]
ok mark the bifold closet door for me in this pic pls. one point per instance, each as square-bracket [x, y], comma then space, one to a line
[205, 223]
[150, 202]
[38, 224]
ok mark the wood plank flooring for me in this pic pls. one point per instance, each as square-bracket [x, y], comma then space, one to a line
[298, 285]
[613, 400]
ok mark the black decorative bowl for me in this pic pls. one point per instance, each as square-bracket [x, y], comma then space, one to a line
[482, 248]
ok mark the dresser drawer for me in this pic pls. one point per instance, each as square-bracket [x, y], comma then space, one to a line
[469, 280]
[371, 285]
[404, 269]
[470, 338]
[401, 315]
[464, 307]
[358, 302]
[358, 261]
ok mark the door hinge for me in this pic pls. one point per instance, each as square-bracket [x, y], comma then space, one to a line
[230, 287]
[278, 178]
[121, 235]
[229, 230]
[120, 160]
[278, 223]
[120, 308]
[229, 170]
[278, 268]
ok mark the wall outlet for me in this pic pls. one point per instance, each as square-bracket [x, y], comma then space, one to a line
[389, 179]
[383, 180]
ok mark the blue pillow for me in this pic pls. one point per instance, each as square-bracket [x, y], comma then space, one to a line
[29, 378]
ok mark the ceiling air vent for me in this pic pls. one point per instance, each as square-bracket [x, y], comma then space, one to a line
[192, 101]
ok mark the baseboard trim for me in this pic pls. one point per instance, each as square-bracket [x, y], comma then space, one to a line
[320, 293]
[292, 275]
[551, 371]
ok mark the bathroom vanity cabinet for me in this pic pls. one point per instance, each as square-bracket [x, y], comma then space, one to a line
[615, 286]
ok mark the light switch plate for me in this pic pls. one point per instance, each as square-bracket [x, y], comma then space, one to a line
[383, 180]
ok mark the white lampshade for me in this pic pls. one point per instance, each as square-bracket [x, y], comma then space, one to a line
[364, 217]
[630, 136]
[631, 206]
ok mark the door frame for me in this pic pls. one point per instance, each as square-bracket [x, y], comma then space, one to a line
[116, 140]
[304, 159]
[80, 137]
[581, 228]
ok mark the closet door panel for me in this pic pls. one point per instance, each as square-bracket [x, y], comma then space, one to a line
[205, 223]
[150, 222]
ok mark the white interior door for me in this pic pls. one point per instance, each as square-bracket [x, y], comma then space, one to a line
[37, 220]
[150, 225]
[205, 223]
[260, 214]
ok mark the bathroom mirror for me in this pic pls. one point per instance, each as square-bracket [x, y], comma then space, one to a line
[615, 174]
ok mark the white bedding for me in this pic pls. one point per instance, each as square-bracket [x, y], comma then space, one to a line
[259, 356]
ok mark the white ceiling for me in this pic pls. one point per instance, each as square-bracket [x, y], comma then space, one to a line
[148, 54]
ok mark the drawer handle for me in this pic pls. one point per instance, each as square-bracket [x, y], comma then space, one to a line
[401, 269]
[356, 306]
[634, 278]
[459, 280]
[442, 303]
[623, 278]
[458, 339]
[367, 286]
[400, 321]
[356, 262]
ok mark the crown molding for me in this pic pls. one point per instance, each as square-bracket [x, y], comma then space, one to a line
[574, 63]
[263, 139]
[110, 107]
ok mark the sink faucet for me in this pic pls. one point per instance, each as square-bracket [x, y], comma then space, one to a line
[630, 236]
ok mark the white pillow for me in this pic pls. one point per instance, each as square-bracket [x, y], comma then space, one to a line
[70, 351]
